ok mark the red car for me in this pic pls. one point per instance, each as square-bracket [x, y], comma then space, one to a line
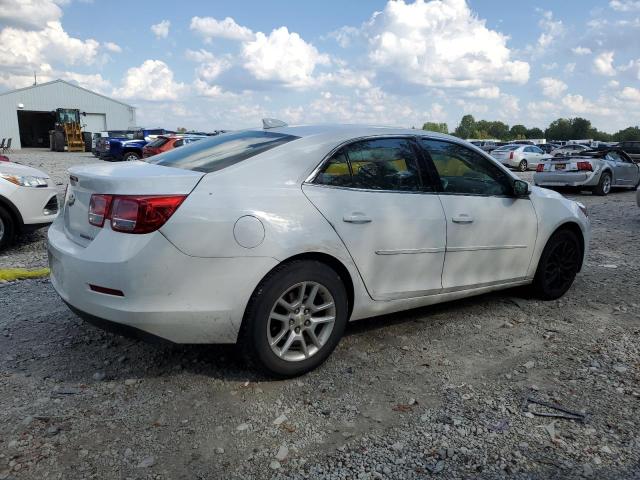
[168, 142]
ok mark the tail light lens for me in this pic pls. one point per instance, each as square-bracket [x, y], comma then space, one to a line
[511, 156]
[99, 209]
[133, 213]
[585, 166]
[540, 167]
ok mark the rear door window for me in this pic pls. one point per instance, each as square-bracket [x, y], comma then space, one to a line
[215, 153]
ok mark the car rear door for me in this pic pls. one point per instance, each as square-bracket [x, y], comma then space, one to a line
[490, 233]
[378, 199]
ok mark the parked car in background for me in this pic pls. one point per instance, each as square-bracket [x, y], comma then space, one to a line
[275, 238]
[28, 200]
[569, 149]
[548, 147]
[164, 143]
[595, 170]
[128, 149]
[95, 138]
[520, 157]
[631, 148]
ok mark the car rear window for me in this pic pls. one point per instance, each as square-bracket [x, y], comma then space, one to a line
[215, 153]
[508, 148]
[158, 142]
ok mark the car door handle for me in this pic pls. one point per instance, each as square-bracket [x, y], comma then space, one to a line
[462, 218]
[356, 218]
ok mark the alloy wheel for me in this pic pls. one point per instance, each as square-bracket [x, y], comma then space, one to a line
[562, 265]
[606, 184]
[301, 321]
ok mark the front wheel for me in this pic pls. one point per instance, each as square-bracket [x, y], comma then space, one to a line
[523, 165]
[558, 265]
[7, 229]
[131, 157]
[295, 318]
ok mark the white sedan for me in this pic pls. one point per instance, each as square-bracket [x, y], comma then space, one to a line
[275, 238]
[522, 157]
[28, 200]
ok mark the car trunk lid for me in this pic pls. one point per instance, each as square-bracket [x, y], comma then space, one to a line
[131, 178]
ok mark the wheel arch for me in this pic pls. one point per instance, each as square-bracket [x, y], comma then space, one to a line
[13, 211]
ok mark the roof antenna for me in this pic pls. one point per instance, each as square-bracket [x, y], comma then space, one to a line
[272, 123]
[35, 80]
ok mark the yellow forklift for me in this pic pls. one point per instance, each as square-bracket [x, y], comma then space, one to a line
[67, 131]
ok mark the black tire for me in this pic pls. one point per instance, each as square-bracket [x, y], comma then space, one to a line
[558, 265]
[58, 141]
[130, 156]
[253, 335]
[523, 165]
[86, 137]
[7, 228]
[604, 185]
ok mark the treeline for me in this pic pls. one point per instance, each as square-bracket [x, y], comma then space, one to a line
[560, 129]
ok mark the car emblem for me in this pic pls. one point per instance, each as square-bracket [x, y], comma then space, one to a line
[71, 200]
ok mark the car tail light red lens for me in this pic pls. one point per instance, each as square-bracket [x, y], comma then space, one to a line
[137, 213]
[511, 156]
[99, 209]
[540, 167]
[585, 166]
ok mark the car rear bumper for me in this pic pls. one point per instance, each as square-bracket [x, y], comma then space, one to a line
[165, 293]
[568, 179]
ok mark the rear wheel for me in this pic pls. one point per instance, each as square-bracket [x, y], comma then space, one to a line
[7, 228]
[558, 265]
[295, 318]
[131, 157]
[604, 185]
[523, 165]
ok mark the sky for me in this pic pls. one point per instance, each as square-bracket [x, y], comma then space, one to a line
[225, 65]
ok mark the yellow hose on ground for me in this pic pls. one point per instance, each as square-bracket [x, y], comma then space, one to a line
[11, 274]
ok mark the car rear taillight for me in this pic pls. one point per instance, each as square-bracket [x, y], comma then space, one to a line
[540, 167]
[585, 166]
[133, 213]
[99, 209]
[511, 156]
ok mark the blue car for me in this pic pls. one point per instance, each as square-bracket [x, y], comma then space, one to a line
[125, 149]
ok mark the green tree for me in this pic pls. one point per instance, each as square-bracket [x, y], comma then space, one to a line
[627, 135]
[181, 130]
[436, 127]
[581, 128]
[499, 130]
[559, 129]
[534, 132]
[518, 132]
[466, 127]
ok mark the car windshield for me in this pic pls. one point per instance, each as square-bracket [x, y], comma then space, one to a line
[508, 147]
[158, 142]
[215, 153]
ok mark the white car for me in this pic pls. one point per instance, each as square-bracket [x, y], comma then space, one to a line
[521, 157]
[28, 200]
[275, 238]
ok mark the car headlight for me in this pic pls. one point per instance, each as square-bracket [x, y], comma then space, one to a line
[26, 180]
[582, 207]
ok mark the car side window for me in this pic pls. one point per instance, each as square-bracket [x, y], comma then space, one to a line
[537, 150]
[178, 143]
[463, 171]
[336, 171]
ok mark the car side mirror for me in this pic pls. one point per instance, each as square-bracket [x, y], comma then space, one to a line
[520, 188]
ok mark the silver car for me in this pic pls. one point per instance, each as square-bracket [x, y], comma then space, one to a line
[521, 157]
[569, 149]
[595, 170]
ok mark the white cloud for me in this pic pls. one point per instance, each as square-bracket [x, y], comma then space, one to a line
[569, 68]
[625, 5]
[581, 50]
[282, 57]
[552, 87]
[209, 28]
[485, 92]
[577, 104]
[440, 43]
[29, 14]
[345, 36]
[346, 78]
[153, 80]
[603, 64]
[551, 30]
[630, 94]
[161, 30]
[112, 47]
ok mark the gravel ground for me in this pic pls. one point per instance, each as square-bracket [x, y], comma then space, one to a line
[433, 392]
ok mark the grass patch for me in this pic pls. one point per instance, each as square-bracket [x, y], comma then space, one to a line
[11, 274]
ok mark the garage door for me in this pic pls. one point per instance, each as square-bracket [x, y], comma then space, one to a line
[94, 122]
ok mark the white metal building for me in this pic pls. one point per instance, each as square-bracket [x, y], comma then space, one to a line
[26, 114]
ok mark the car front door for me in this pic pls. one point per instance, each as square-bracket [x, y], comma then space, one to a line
[490, 233]
[625, 171]
[388, 215]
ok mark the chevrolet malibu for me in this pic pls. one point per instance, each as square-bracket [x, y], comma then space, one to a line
[275, 238]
